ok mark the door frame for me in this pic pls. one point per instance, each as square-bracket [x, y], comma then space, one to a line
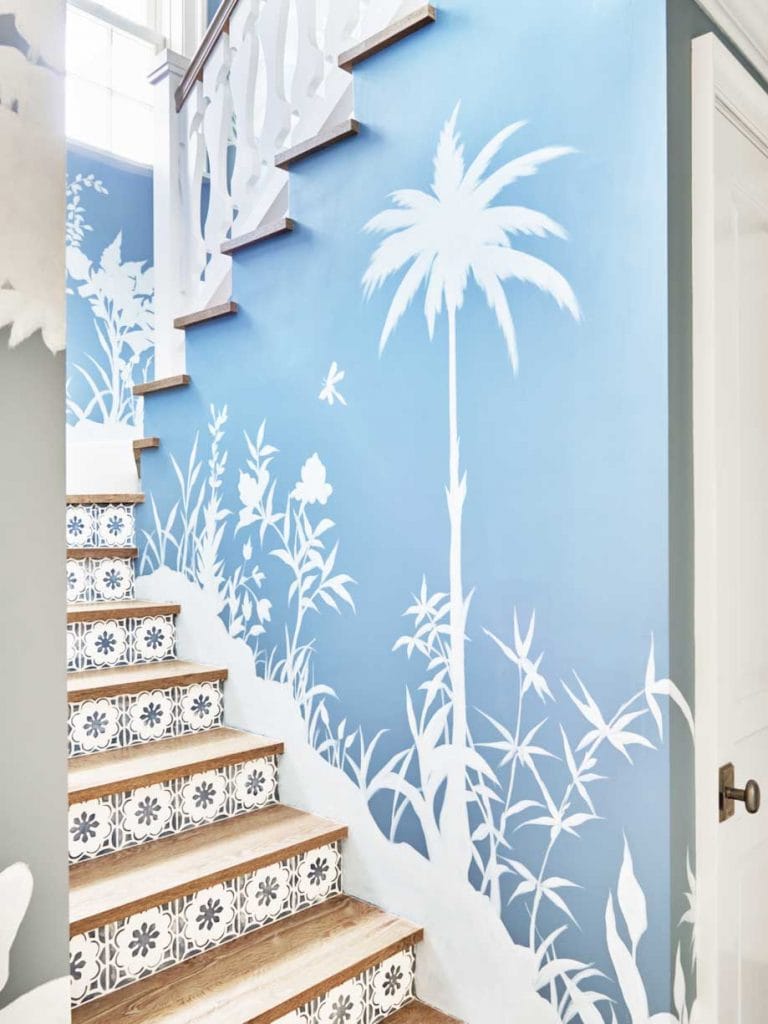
[721, 86]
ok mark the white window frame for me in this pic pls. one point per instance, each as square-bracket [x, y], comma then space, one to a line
[177, 24]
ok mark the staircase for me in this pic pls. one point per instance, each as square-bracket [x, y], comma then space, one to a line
[195, 896]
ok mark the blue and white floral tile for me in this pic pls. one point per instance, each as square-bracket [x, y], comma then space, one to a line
[109, 643]
[366, 999]
[125, 951]
[125, 721]
[122, 820]
[99, 579]
[100, 526]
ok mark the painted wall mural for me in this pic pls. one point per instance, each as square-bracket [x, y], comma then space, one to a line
[110, 288]
[469, 624]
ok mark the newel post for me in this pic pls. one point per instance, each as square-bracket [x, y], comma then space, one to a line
[170, 358]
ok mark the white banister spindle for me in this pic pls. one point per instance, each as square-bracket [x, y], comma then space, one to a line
[170, 214]
[217, 124]
[343, 16]
[244, 71]
[192, 166]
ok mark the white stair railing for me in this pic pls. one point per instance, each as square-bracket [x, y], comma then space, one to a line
[267, 79]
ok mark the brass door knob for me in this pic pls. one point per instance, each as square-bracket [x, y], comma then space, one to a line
[749, 796]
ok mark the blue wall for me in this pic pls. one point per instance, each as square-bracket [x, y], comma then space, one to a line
[567, 490]
[110, 253]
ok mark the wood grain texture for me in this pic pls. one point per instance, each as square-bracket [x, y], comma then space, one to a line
[108, 610]
[219, 25]
[420, 1013]
[105, 499]
[82, 553]
[406, 26]
[345, 130]
[264, 976]
[113, 682]
[129, 882]
[202, 316]
[120, 770]
[152, 387]
[262, 234]
[141, 444]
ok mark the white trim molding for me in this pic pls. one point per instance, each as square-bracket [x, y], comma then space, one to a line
[745, 22]
[721, 87]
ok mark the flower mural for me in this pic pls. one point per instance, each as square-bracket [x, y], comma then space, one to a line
[119, 294]
[494, 796]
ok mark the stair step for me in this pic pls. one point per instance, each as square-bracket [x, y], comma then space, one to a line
[126, 798]
[406, 26]
[120, 610]
[124, 707]
[420, 1013]
[113, 888]
[114, 633]
[100, 575]
[134, 679]
[201, 316]
[118, 771]
[102, 522]
[339, 949]
[153, 387]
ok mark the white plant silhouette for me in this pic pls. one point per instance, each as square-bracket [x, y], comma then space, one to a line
[441, 239]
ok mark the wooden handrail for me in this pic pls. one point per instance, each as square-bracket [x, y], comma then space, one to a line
[218, 26]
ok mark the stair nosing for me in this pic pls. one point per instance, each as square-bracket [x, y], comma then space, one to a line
[108, 610]
[328, 832]
[105, 499]
[163, 681]
[245, 949]
[262, 747]
[98, 552]
[380, 41]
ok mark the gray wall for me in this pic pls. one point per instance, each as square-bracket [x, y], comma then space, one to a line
[32, 630]
[33, 804]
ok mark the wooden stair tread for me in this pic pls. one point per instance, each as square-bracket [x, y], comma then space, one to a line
[131, 881]
[265, 975]
[125, 768]
[105, 499]
[261, 234]
[420, 1013]
[406, 26]
[118, 610]
[152, 387]
[181, 323]
[327, 137]
[110, 682]
[102, 553]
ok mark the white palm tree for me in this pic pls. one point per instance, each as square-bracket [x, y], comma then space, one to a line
[441, 239]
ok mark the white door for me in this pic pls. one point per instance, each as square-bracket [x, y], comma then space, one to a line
[730, 353]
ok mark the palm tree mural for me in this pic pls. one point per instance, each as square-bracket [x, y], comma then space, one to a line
[442, 239]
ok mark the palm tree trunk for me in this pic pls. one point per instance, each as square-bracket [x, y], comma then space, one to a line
[454, 822]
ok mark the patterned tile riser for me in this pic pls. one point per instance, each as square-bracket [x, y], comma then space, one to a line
[121, 953]
[128, 721]
[366, 999]
[122, 820]
[109, 643]
[99, 579]
[100, 526]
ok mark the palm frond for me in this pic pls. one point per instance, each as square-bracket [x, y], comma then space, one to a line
[406, 290]
[482, 161]
[511, 263]
[449, 159]
[521, 167]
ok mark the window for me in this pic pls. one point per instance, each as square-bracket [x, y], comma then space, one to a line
[111, 46]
